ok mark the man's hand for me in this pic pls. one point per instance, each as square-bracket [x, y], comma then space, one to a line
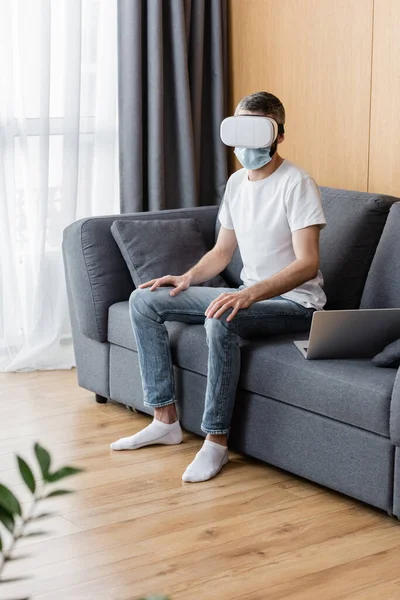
[237, 300]
[180, 282]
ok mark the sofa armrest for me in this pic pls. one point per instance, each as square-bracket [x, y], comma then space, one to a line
[395, 412]
[98, 275]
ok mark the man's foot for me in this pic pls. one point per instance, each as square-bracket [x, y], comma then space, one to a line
[155, 433]
[207, 463]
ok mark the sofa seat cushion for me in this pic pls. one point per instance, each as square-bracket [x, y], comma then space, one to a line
[350, 391]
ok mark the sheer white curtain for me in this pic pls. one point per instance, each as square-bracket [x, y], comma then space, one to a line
[58, 162]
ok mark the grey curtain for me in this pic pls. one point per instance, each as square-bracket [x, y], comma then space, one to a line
[172, 79]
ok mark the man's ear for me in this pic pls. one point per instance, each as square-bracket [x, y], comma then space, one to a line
[281, 138]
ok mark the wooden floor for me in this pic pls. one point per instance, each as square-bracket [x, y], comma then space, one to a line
[254, 532]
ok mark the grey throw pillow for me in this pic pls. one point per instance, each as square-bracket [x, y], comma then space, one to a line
[389, 357]
[156, 247]
[355, 224]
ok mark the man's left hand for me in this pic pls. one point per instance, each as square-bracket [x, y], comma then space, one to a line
[237, 300]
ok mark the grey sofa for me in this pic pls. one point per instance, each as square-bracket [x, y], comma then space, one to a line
[335, 422]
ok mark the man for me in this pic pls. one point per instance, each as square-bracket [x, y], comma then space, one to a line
[272, 210]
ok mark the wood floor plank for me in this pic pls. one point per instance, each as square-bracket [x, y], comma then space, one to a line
[302, 488]
[251, 577]
[254, 532]
[257, 561]
[96, 446]
[354, 577]
[125, 506]
[34, 410]
[191, 548]
[129, 490]
[108, 429]
[115, 535]
[100, 457]
[52, 528]
[382, 591]
[36, 427]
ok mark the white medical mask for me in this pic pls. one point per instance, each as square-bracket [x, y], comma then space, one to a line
[253, 158]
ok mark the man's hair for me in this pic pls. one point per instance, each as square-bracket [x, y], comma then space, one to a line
[265, 103]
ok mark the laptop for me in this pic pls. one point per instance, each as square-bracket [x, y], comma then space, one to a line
[361, 333]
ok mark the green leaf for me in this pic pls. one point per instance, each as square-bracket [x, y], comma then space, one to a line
[43, 515]
[58, 493]
[62, 473]
[26, 474]
[14, 580]
[7, 519]
[14, 558]
[44, 460]
[35, 533]
[9, 501]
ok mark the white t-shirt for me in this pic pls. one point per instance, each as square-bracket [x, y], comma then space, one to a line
[264, 214]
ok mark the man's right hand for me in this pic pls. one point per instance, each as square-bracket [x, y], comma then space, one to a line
[180, 283]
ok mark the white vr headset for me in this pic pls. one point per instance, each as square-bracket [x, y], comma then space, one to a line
[250, 131]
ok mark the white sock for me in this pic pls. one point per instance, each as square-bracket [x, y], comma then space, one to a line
[207, 463]
[155, 433]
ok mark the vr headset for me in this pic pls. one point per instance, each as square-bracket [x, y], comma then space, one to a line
[250, 131]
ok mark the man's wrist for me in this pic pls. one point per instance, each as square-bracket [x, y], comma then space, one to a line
[256, 293]
[188, 276]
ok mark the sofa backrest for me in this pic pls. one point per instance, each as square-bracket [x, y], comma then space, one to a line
[355, 221]
[382, 288]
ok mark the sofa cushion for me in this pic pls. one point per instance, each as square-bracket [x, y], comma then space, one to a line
[350, 391]
[96, 272]
[355, 221]
[355, 224]
[382, 288]
[156, 247]
[389, 357]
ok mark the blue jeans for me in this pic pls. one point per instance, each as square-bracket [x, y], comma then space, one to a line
[150, 310]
